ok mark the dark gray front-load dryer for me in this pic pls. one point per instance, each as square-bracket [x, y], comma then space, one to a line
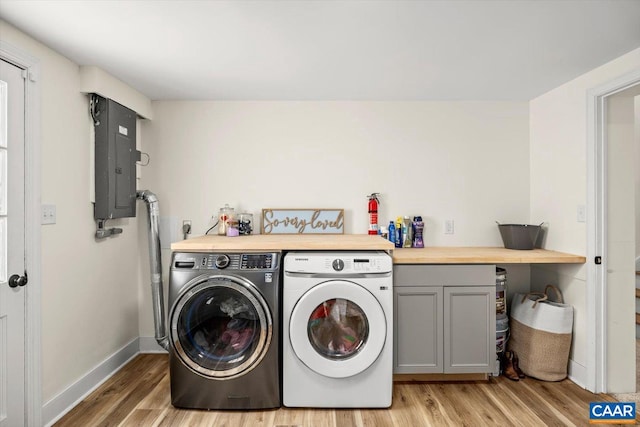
[224, 330]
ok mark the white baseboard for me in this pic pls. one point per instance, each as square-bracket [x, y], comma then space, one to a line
[578, 373]
[57, 407]
[150, 345]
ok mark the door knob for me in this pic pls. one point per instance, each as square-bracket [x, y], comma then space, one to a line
[17, 280]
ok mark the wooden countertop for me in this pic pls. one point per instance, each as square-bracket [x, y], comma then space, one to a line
[482, 255]
[351, 242]
[281, 242]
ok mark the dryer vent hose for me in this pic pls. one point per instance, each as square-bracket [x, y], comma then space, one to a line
[155, 262]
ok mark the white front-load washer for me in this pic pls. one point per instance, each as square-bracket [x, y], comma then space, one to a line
[337, 330]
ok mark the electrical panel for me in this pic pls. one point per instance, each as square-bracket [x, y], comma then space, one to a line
[115, 159]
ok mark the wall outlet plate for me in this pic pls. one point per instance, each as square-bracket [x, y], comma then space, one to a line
[48, 214]
[186, 226]
[448, 227]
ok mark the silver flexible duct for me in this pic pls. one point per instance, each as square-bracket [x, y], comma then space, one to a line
[155, 262]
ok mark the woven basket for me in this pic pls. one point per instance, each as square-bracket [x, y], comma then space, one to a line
[541, 332]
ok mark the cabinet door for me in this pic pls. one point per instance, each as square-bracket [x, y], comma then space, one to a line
[469, 329]
[418, 330]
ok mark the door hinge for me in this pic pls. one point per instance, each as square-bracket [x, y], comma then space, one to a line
[598, 260]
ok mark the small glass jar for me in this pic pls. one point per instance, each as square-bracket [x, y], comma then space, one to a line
[245, 223]
[232, 228]
[225, 215]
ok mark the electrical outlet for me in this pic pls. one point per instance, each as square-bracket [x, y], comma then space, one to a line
[48, 214]
[186, 226]
[448, 226]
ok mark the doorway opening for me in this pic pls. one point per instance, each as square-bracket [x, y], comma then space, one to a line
[600, 201]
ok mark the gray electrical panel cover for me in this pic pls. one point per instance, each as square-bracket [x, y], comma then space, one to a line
[115, 159]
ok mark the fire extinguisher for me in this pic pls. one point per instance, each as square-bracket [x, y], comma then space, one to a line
[373, 213]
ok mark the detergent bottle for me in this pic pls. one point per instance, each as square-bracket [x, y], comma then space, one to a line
[418, 229]
[407, 233]
[399, 235]
[392, 232]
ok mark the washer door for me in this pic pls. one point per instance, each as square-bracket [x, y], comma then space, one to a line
[338, 329]
[221, 327]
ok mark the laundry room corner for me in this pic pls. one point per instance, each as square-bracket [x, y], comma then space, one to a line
[168, 232]
[89, 301]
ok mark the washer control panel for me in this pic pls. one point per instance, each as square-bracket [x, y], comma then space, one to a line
[366, 265]
[226, 261]
[338, 263]
[252, 261]
[222, 261]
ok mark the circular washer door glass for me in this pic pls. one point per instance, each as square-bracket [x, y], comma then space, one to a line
[338, 328]
[221, 328]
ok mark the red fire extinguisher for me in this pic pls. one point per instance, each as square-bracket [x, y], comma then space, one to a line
[373, 213]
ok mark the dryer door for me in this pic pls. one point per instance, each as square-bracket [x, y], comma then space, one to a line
[221, 327]
[338, 329]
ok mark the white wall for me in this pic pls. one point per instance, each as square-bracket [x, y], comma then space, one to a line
[89, 288]
[466, 161]
[558, 149]
[441, 160]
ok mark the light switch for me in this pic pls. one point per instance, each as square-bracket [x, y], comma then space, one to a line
[581, 214]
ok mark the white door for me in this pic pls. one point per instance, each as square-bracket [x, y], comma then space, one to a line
[338, 329]
[12, 247]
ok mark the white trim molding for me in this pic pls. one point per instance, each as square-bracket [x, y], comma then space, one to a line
[150, 345]
[33, 348]
[596, 370]
[577, 373]
[66, 400]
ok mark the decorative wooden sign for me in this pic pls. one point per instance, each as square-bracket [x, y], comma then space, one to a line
[302, 221]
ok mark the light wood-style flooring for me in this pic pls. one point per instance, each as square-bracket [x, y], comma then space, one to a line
[139, 395]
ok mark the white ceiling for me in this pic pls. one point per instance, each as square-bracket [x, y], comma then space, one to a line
[335, 50]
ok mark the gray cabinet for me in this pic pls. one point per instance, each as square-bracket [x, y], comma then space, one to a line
[444, 319]
[418, 329]
[469, 329]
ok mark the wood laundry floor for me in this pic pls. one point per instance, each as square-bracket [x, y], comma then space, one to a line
[139, 395]
[633, 397]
